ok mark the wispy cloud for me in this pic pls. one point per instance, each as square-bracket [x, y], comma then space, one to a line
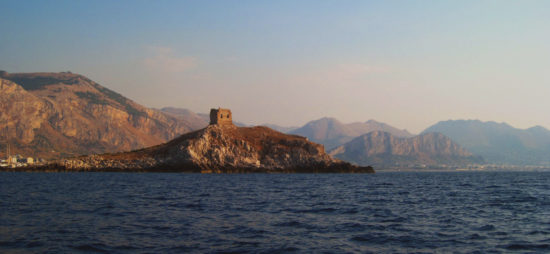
[163, 59]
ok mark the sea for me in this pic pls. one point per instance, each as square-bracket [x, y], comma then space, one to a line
[386, 212]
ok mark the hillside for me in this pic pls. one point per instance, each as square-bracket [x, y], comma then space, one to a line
[383, 150]
[331, 132]
[222, 149]
[64, 114]
[499, 143]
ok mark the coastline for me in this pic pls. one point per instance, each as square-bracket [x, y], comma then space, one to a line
[61, 169]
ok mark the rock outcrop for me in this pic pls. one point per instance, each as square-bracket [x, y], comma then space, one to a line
[384, 150]
[222, 149]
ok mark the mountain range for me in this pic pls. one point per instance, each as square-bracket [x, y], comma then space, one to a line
[499, 143]
[53, 115]
[331, 133]
[384, 150]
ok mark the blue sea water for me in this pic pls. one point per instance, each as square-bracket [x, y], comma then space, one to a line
[403, 212]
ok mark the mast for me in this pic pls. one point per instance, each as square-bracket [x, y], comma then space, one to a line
[9, 148]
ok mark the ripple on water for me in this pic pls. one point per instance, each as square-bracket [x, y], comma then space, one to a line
[486, 228]
[472, 212]
[526, 246]
[97, 248]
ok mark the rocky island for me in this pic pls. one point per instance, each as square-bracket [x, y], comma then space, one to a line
[221, 147]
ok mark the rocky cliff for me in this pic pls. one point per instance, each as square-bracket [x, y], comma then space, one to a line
[382, 149]
[64, 114]
[222, 149]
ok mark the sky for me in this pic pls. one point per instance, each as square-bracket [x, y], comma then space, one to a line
[406, 63]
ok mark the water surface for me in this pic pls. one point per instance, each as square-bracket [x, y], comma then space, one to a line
[460, 212]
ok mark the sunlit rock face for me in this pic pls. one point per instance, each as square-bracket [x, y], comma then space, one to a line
[64, 114]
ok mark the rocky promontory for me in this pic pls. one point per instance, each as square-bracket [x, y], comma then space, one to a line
[221, 148]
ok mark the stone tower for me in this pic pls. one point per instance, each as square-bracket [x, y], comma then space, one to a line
[221, 116]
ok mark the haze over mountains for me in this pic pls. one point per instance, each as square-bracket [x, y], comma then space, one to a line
[54, 115]
[331, 132]
[381, 149]
[283, 129]
[499, 142]
[192, 119]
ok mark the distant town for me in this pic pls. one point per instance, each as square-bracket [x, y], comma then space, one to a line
[17, 160]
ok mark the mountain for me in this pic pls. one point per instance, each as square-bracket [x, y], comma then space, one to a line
[499, 143]
[222, 149]
[331, 132]
[381, 149]
[64, 114]
[190, 118]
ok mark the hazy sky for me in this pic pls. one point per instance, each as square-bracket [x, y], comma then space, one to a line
[406, 63]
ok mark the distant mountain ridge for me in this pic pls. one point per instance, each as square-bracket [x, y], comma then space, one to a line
[66, 114]
[331, 132]
[499, 143]
[283, 129]
[192, 119]
[383, 150]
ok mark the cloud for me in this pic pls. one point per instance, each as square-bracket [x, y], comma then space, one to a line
[163, 59]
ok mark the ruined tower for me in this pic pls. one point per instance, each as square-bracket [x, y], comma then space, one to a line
[220, 116]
